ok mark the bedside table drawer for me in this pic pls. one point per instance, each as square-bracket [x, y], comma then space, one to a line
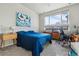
[9, 36]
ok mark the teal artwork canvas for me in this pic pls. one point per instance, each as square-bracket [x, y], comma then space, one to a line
[22, 20]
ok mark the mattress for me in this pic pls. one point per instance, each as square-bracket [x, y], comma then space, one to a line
[75, 47]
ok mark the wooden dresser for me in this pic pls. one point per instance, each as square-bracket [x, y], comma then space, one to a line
[7, 36]
[55, 35]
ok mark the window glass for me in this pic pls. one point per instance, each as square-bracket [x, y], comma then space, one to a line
[65, 18]
[46, 21]
[55, 20]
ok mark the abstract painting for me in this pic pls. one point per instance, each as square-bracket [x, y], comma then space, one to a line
[23, 20]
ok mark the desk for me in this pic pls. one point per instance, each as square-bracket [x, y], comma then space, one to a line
[7, 36]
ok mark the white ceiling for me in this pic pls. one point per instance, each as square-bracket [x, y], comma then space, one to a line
[44, 7]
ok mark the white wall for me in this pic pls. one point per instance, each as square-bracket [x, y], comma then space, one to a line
[73, 16]
[8, 16]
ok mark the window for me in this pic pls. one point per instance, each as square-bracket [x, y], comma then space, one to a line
[60, 19]
[54, 20]
[64, 18]
[46, 21]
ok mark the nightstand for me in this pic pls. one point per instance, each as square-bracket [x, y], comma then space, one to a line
[7, 36]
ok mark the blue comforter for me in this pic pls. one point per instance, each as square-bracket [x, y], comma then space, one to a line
[33, 41]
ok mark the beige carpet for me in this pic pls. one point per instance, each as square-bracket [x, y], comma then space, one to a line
[53, 49]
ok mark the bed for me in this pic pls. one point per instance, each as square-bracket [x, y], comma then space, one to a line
[33, 41]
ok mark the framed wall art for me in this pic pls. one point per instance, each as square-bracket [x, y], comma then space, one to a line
[23, 20]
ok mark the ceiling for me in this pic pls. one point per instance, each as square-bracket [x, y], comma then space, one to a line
[44, 7]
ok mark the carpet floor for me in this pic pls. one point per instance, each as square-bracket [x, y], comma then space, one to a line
[53, 49]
